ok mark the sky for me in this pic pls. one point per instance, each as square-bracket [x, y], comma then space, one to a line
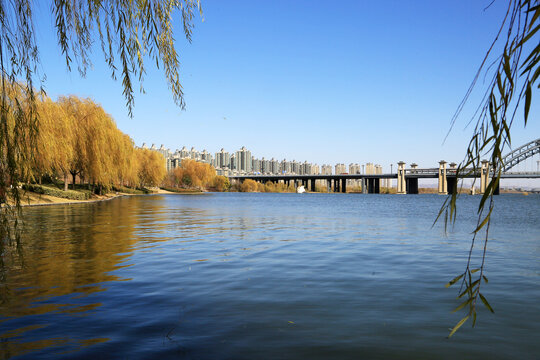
[326, 82]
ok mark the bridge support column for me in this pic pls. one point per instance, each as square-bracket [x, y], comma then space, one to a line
[411, 185]
[443, 186]
[336, 185]
[401, 185]
[452, 184]
[313, 185]
[484, 176]
[344, 185]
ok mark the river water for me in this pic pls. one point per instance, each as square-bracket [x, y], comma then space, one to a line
[267, 276]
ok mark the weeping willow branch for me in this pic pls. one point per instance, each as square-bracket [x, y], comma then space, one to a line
[514, 75]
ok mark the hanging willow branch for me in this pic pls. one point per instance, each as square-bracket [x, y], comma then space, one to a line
[508, 95]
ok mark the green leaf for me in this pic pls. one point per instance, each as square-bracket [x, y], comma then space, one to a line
[463, 304]
[458, 325]
[506, 67]
[486, 219]
[453, 281]
[485, 278]
[475, 270]
[469, 288]
[528, 96]
[486, 302]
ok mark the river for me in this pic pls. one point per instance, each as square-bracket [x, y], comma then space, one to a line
[267, 276]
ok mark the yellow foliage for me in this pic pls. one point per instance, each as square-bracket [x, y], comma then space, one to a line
[278, 187]
[151, 167]
[194, 174]
[76, 136]
[248, 186]
[221, 183]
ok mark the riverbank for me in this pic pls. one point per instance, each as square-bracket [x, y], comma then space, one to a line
[29, 198]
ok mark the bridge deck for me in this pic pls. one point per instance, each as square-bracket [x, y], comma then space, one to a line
[416, 173]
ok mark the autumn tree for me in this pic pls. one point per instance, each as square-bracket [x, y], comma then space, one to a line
[151, 167]
[55, 140]
[221, 183]
[193, 174]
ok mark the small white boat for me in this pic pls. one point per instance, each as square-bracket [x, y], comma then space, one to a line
[300, 190]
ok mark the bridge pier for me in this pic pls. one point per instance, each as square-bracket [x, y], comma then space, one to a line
[485, 180]
[373, 186]
[344, 185]
[336, 185]
[411, 185]
[452, 184]
[401, 185]
[443, 185]
[484, 176]
[313, 185]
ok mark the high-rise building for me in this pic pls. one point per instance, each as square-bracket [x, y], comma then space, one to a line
[341, 169]
[222, 160]
[265, 166]
[206, 157]
[183, 153]
[295, 167]
[354, 169]
[285, 167]
[370, 169]
[274, 166]
[243, 160]
[256, 166]
[326, 169]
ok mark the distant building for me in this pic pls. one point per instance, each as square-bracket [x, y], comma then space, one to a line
[242, 160]
[341, 169]
[222, 160]
[274, 166]
[256, 166]
[354, 169]
[326, 169]
[285, 167]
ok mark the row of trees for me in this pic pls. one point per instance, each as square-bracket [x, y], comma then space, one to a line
[196, 175]
[76, 137]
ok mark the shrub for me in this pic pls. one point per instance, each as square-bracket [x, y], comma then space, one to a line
[248, 186]
[127, 190]
[51, 191]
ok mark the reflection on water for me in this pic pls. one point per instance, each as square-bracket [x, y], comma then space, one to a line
[264, 275]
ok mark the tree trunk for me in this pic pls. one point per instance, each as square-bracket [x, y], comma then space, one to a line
[74, 174]
[65, 182]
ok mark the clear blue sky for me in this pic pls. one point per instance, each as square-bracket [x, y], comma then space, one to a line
[326, 82]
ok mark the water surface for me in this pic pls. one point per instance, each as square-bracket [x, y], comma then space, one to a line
[244, 276]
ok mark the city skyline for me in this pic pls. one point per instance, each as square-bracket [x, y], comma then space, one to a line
[241, 161]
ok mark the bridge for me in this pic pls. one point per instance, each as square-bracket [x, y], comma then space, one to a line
[407, 178]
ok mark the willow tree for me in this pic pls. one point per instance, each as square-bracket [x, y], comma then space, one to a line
[151, 166]
[128, 32]
[514, 80]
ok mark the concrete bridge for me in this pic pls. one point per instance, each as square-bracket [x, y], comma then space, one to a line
[407, 178]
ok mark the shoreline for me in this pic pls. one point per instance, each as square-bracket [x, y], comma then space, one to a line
[34, 199]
